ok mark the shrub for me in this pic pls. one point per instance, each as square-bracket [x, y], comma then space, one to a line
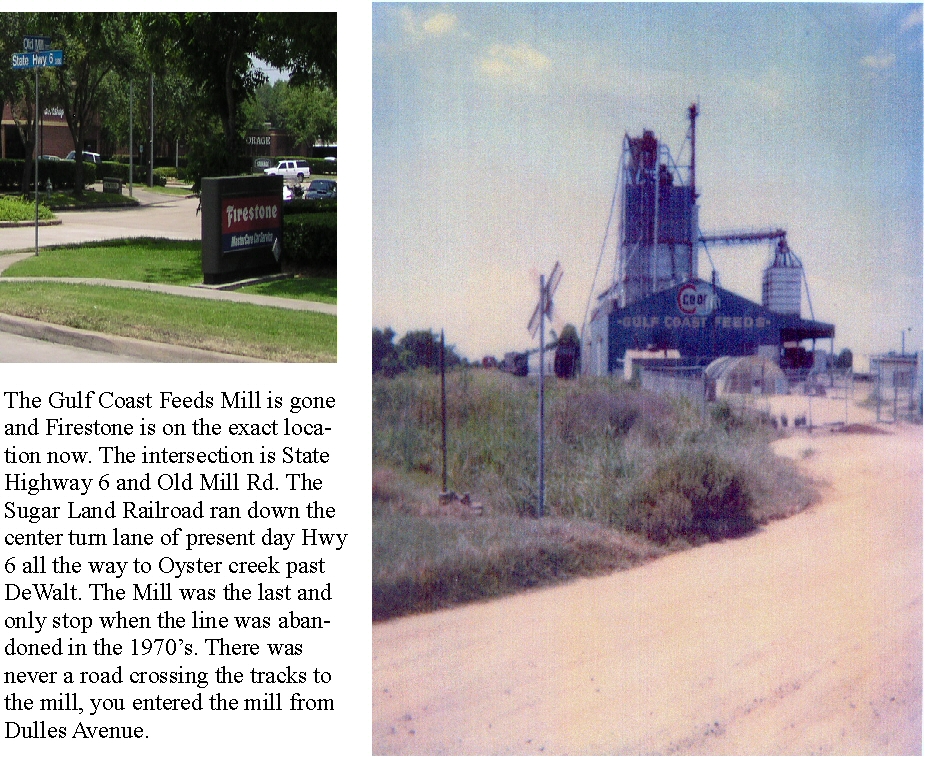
[322, 167]
[310, 240]
[61, 172]
[121, 171]
[579, 414]
[297, 207]
[10, 173]
[19, 208]
[64, 172]
[691, 493]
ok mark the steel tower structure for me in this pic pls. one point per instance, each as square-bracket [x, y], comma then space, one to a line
[658, 218]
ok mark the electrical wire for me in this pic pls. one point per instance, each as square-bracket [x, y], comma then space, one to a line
[600, 258]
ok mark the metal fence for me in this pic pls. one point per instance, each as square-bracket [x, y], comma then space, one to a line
[810, 399]
[897, 391]
[677, 381]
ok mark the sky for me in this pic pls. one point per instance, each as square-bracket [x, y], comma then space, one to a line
[497, 134]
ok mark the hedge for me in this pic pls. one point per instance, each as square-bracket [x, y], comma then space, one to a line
[310, 239]
[61, 172]
[120, 171]
[298, 207]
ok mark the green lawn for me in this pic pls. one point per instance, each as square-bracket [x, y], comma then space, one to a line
[160, 261]
[237, 328]
[313, 289]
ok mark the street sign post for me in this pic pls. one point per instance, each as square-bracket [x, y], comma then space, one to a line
[538, 324]
[37, 55]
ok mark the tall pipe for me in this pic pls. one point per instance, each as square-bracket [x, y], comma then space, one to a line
[693, 112]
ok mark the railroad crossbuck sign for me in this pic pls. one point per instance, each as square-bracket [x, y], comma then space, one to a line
[544, 306]
[538, 325]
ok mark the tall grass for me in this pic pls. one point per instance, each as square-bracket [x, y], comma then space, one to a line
[613, 453]
[616, 456]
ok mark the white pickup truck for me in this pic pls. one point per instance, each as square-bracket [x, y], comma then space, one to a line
[290, 170]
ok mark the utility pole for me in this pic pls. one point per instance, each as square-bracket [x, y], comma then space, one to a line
[443, 405]
[151, 139]
[131, 146]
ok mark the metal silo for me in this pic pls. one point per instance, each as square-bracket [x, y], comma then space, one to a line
[782, 281]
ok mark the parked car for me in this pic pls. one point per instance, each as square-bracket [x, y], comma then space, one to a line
[89, 157]
[321, 189]
[291, 170]
[49, 157]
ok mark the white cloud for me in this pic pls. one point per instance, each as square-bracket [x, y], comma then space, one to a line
[433, 25]
[879, 62]
[513, 62]
[913, 19]
[440, 24]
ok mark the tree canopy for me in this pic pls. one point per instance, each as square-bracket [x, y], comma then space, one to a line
[205, 65]
[568, 353]
[416, 349]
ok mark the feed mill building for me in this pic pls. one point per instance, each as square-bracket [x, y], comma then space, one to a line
[657, 305]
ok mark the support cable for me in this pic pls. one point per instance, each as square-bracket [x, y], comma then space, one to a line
[600, 258]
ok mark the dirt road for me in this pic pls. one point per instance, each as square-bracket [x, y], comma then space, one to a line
[805, 638]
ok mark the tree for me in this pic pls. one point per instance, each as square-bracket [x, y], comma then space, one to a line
[174, 120]
[385, 356]
[217, 51]
[568, 353]
[416, 349]
[310, 113]
[845, 360]
[305, 44]
[421, 349]
[17, 86]
[265, 105]
[94, 44]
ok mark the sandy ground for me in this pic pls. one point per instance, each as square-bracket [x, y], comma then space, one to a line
[804, 638]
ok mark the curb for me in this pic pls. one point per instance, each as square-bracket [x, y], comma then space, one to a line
[99, 206]
[22, 224]
[115, 345]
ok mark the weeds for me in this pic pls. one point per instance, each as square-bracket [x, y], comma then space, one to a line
[619, 461]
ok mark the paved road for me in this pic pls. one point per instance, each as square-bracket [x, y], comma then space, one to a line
[21, 349]
[159, 215]
[805, 638]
